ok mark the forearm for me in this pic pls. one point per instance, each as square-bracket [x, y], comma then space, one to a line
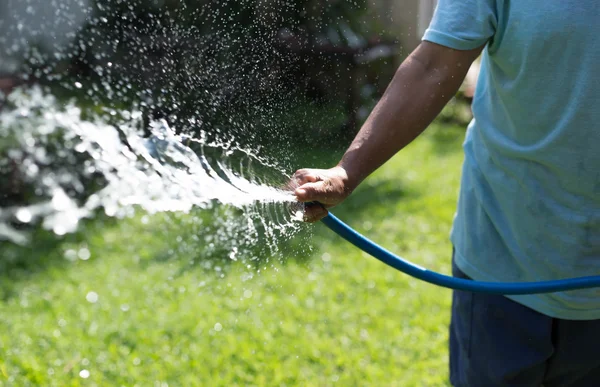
[421, 87]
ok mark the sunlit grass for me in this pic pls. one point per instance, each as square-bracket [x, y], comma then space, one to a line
[128, 316]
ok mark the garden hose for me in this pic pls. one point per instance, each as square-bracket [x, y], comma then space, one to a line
[503, 288]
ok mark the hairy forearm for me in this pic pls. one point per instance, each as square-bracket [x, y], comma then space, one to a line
[422, 85]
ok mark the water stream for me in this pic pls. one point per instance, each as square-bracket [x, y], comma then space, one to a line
[65, 165]
[171, 102]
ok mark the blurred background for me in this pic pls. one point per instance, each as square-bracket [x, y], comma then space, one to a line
[252, 60]
[187, 297]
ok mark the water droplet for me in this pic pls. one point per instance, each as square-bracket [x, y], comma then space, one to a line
[84, 374]
[70, 255]
[59, 229]
[92, 297]
[248, 293]
[218, 327]
[84, 254]
[24, 215]
[60, 200]
[78, 85]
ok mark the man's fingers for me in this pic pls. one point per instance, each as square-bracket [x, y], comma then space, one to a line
[304, 176]
[320, 189]
[314, 212]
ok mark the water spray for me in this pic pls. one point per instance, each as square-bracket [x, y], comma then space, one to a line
[401, 264]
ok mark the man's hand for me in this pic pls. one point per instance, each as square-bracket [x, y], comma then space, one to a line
[325, 188]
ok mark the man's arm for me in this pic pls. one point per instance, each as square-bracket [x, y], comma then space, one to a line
[421, 87]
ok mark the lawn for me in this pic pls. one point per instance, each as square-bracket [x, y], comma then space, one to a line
[141, 310]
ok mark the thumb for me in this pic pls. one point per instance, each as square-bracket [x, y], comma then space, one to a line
[311, 192]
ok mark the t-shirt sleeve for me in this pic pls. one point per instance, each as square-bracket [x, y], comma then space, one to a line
[462, 24]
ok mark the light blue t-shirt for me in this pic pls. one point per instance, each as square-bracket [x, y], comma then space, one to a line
[529, 203]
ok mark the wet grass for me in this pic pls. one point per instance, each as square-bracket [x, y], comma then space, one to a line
[149, 309]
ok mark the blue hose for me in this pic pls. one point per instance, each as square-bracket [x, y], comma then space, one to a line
[423, 274]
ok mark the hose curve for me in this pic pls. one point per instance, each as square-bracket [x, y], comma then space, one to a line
[503, 288]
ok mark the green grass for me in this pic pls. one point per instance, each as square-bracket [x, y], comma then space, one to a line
[329, 316]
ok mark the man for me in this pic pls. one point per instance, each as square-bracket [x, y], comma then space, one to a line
[529, 204]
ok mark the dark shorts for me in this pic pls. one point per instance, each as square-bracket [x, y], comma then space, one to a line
[495, 341]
